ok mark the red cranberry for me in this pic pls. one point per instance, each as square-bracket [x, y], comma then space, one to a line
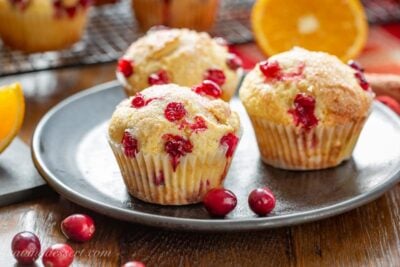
[174, 111]
[198, 125]
[390, 102]
[355, 65]
[303, 112]
[362, 81]
[25, 247]
[138, 101]
[234, 62]
[160, 77]
[271, 69]
[209, 88]
[58, 255]
[215, 75]
[176, 146]
[71, 11]
[231, 141]
[134, 264]
[78, 227]
[130, 145]
[261, 201]
[219, 201]
[125, 66]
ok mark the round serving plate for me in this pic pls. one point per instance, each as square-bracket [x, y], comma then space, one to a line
[70, 150]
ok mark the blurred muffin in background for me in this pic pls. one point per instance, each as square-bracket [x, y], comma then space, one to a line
[193, 14]
[181, 56]
[38, 25]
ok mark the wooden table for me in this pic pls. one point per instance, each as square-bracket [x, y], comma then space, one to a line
[369, 235]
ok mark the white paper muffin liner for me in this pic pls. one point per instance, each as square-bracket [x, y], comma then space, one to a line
[188, 184]
[290, 147]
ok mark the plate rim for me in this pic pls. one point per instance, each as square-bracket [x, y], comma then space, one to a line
[239, 224]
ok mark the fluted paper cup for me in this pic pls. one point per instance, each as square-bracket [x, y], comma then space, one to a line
[151, 178]
[293, 148]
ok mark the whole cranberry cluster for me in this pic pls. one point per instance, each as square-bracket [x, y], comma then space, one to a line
[26, 245]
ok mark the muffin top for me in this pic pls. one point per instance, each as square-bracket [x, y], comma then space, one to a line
[174, 120]
[179, 56]
[56, 8]
[306, 89]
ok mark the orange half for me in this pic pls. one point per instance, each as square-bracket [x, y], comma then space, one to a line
[12, 109]
[338, 27]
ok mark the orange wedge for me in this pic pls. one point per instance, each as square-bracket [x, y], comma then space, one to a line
[338, 27]
[12, 109]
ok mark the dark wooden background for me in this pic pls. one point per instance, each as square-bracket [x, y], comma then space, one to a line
[367, 236]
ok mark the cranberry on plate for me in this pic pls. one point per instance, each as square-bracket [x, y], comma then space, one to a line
[261, 201]
[25, 247]
[219, 202]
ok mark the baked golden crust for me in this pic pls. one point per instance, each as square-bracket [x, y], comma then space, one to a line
[148, 123]
[185, 55]
[339, 98]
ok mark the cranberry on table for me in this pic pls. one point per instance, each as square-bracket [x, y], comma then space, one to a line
[262, 201]
[219, 201]
[25, 247]
[58, 255]
[78, 227]
[134, 264]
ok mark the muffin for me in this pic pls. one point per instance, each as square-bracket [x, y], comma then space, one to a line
[173, 145]
[178, 56]
[193, 14]
[37, 25]
[307, 108]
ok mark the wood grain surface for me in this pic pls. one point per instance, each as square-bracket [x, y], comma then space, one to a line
[368, 236]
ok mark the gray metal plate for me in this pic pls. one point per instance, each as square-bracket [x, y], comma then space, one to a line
[71, 151]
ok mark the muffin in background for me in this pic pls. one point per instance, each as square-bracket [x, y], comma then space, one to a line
[37, 25]
[173, 145]
[307, 108]
[193, 14]
[180, 56]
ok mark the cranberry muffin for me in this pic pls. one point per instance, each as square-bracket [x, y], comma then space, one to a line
[178, 56]
[42, 25]
[307, 108]
[193, 14]
[173, 145]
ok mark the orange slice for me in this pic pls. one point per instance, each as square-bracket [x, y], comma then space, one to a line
[12, 109]
[337, 27]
